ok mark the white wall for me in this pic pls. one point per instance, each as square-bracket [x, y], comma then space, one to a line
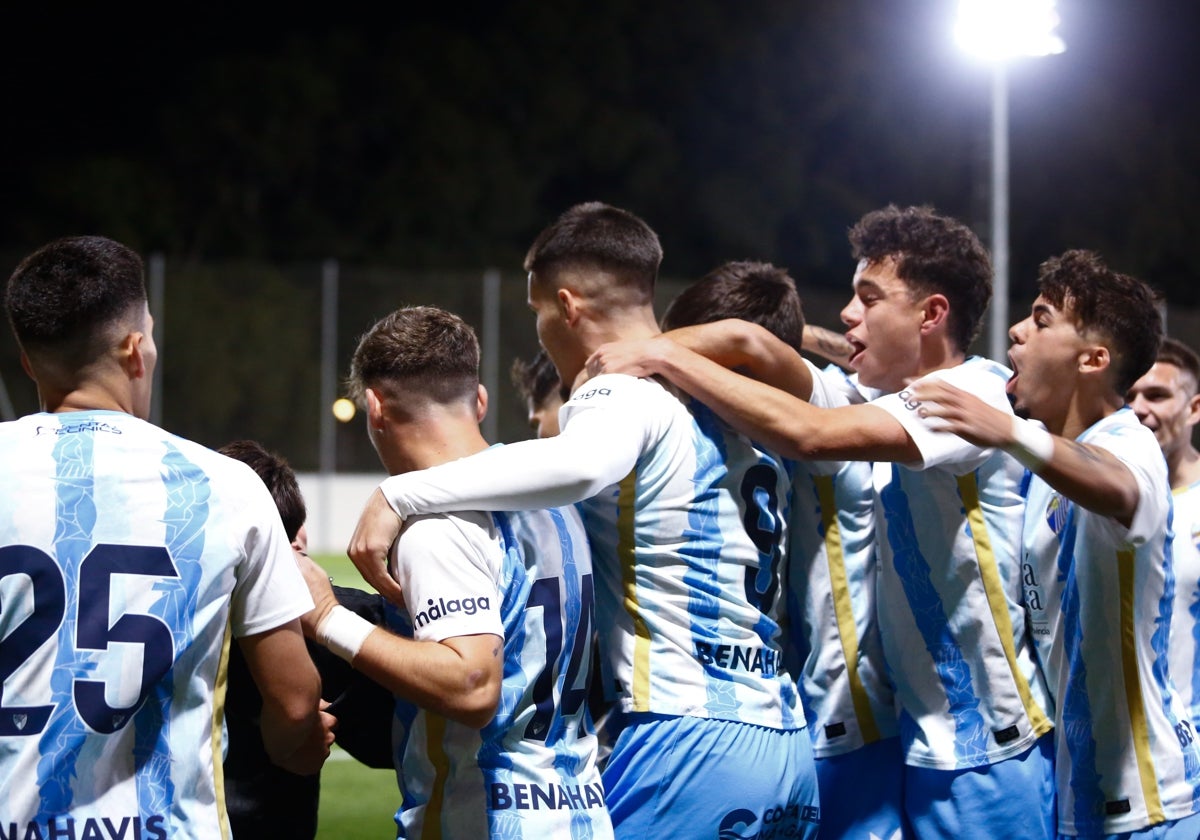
[334, 502]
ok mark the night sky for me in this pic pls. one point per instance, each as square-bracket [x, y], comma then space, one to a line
[1088, 127]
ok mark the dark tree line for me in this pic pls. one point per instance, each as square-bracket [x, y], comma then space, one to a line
[446, 138]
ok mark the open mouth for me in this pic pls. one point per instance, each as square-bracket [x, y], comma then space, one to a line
[1010, 387]
[857, 348]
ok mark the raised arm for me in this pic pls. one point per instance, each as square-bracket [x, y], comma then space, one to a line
[1088, 475]
[769, 415]
[596, 448]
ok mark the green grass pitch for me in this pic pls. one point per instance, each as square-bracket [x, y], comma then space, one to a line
[357, 802]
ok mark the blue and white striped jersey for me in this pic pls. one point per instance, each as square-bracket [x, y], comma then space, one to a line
[531, 772]
[1100, 599]
[950, 599]
[831, 571]
[1184, 651]
[128, 558]
[687, 523]
[689, 548]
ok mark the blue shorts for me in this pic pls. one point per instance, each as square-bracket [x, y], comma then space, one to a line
[685, 777]
[1012, 799]
[862, 792]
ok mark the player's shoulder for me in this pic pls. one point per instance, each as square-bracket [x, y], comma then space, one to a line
[433, 532]
[614, 387]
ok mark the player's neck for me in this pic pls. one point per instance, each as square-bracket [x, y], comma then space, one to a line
[431, 445]
[1183, 467]
[938, 352]
[1084, 409]
[86, 397]
[626, 324]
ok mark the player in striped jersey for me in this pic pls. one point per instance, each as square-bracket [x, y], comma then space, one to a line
[970, 696]
[1166, 401]
[687, 523]
[498, 606]
[1096, 548]
[834, 650]
[129, 557]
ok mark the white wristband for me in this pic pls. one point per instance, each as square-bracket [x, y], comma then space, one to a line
[343, 631]
[1032, 445]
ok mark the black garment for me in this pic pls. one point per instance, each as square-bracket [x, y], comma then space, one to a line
[264, 800]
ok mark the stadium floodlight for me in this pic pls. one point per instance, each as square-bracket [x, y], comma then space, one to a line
[999, 31]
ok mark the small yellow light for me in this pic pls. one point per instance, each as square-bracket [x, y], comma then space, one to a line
[344, 409]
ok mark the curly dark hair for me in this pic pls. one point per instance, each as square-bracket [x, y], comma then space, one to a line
[934, 254]
[1122, 308]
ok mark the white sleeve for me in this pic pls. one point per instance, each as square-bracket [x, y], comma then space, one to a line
[604, 432]
[1142, 455]
[939, 448]
[269, 590]
[448, 567]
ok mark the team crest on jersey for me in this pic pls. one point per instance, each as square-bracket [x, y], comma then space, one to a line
[1056, 514]
[19, 721]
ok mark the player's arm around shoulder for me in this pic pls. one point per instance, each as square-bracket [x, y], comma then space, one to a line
[454, 665]
[1087, 474]
[734, 343]
[772, 416]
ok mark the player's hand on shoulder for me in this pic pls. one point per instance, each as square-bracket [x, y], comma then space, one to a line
[635, 357]
[377, 529]
[951, 409]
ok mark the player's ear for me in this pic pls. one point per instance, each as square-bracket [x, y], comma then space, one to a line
[935, 312]
[375, 412]
[570, 305]
[481, 403]
[25, 366]
[1094, 359]
[129, 355]
[1193, 415]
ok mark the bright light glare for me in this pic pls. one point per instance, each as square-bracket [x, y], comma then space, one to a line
[343, 409]
[1001, 29]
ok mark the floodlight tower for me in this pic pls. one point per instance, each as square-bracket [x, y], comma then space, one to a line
[999, 31]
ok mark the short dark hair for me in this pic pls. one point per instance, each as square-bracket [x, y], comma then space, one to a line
[1172, 351]
[753, 291]
[1122, 308]
[433, 351]
[62, 298]
[595, 235]
[934, 254]
[535, 379]
[280, 478]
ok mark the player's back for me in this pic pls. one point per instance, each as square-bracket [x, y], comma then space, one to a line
[121, 547]
[688, 552]
[531, 772]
